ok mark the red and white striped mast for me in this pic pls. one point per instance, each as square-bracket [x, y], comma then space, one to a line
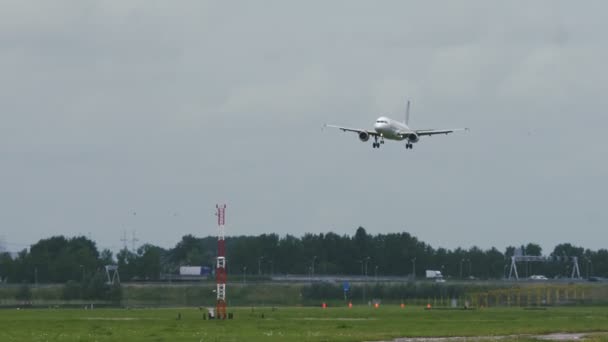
[220, 270]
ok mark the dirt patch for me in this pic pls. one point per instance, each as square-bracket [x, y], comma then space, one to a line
[111, 319]
[546, 337]
[335, 319]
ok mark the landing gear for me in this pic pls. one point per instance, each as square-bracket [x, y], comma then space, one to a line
[409, 146]
[376, 144]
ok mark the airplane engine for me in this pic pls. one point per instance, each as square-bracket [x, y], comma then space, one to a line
[364, 136]
[413, 138]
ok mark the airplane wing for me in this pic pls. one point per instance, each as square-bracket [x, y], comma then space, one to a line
[356, 130]
[423, 132]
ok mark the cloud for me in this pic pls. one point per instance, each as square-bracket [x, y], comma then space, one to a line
[163, 106]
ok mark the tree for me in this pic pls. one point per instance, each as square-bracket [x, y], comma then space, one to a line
[188, 251]
[533, 249]
[58, 259]
[127, 264]
[106, 257]
[148, 261]
[567, 249]
[509, 252]
[362, 242]
[6, 266]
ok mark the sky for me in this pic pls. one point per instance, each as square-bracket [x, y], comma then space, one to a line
[139, 116]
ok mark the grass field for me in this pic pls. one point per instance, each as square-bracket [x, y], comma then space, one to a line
[292, 324]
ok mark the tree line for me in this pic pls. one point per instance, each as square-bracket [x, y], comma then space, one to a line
[59, 259]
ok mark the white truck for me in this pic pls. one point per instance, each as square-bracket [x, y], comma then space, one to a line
[435, 275]
[195, 270]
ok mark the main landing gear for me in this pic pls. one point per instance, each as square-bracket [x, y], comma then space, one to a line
[409, 146]
[376, 143]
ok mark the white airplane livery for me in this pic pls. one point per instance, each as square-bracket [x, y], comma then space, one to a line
[387, 128]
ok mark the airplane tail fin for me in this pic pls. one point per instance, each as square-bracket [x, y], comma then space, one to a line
[407, 113]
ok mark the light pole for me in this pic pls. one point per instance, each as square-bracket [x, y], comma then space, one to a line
[414, 267]
[462, 261]
[310, 273]
[82, 268]
[366, 261]
[271, 268]
[589, 267]
[312, 269]
[260, 265]
[244, 275]
[470, 273]
[376, 273]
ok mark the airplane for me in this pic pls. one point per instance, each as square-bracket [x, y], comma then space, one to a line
[387, 128]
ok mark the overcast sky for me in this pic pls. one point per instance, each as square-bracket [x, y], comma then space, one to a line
[142, 115]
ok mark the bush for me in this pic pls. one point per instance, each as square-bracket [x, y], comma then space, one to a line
[322, 291]
[72, 290]
[24, 293]
[115, 293]
[98, 288]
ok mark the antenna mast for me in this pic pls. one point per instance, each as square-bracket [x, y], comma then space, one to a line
[220, 271]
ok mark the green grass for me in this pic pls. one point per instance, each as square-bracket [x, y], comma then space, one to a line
[291, 323]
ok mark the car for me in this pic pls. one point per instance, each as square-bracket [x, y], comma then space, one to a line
[538, 277]
[439, 280]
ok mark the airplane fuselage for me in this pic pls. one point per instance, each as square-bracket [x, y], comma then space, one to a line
[392, 129]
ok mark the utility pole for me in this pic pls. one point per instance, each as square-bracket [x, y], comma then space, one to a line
[134, 240]
[365, 281]
[123, 239]
[461, 261]
[414, 267]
